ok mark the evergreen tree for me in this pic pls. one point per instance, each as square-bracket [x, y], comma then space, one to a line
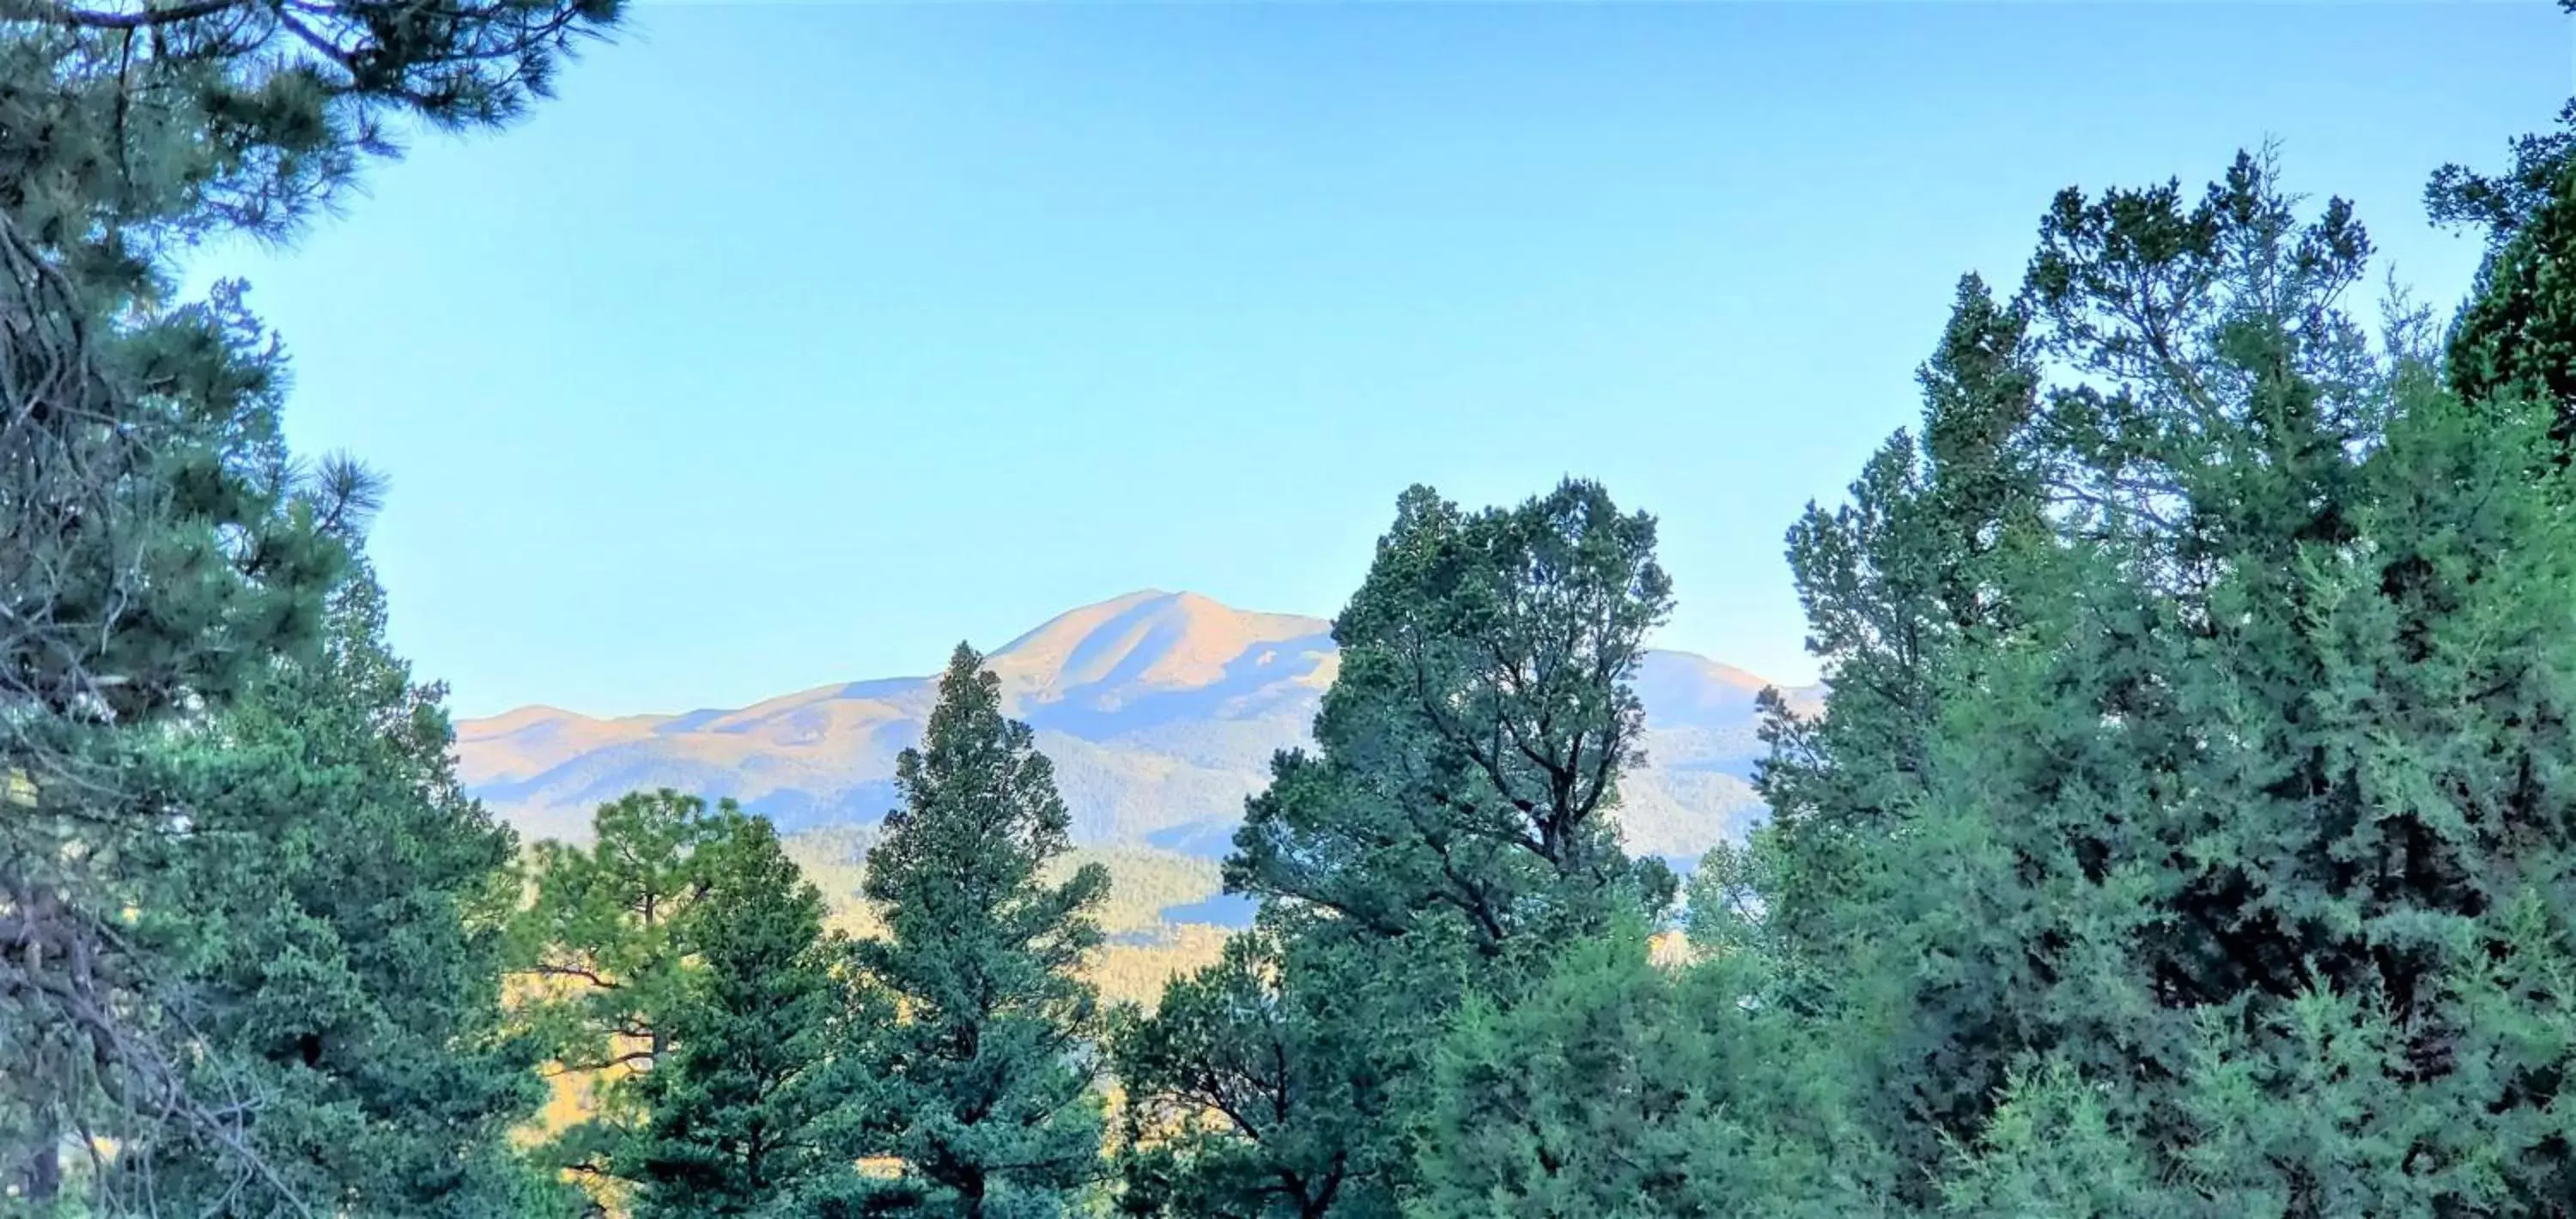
[158, 545]
[604, 949]
[1905, 590]
[1647, 1081]
[1447, 836]
[153, 562]
[2232, 884]
[1469, 748]
[1251, 1098]
[1897, 583]
[984, 1082]
[678, 972]
[747, 1112]
[2517, 331]
[1624, 1089]
[337, 907]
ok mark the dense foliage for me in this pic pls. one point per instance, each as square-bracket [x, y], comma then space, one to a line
[746, 1111]
[676, 972]
[337, 914]
[985, 1093]
[1447, 836]
[165, 570]
[2185, 835]
[2224, 875]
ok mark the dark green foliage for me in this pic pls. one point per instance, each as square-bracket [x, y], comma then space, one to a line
[155, 558]
[159, 547]
[130, 126]
[1896, 583]
[1636, 1082]
[1904, 587]
[2224, 879]
[2185, 835]
[157, 540]
[606, 938]
[1623, 1089]
[1468, 751]
[679, 967]
[1250, 1097]
[603, 951]
[335, 913]
[983, 1082]
[746, 1112]
[2182, 836]
[2517, 333]
[1449, 834]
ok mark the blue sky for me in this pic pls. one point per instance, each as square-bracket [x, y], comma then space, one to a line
[793, 343]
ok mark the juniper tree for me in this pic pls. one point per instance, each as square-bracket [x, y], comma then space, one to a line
[1450, 832]
[2517, 331]
[984, 1091]
[1250, 1096]
[2231, 886]
[1727, 1088]
[1898, 584]
[2344, 988]
[1620, 1086]
[1469, 749]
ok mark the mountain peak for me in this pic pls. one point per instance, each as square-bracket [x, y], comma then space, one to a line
[1161, 710]
[1149, 638]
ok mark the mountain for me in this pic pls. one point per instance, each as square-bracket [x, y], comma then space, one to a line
[1160, 711]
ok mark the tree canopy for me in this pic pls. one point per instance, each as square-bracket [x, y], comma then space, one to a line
[2184, 833]
[984, 1078]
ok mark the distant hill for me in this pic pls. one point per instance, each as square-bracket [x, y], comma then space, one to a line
[1160, 710]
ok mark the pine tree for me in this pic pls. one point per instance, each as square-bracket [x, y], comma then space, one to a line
[677, 971]
[984, 1083]
[1251, 1098]
[337, 908]
[159, 546]
[748, 1111]
[152, 566]
[603, 960]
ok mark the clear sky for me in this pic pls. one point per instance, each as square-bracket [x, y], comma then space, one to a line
[793, 343]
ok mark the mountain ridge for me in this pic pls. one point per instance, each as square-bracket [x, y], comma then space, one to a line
[1161, 710]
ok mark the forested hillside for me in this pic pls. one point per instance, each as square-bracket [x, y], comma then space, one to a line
[2187, 831]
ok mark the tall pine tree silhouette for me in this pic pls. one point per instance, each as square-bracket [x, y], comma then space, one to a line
[987, 1099]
